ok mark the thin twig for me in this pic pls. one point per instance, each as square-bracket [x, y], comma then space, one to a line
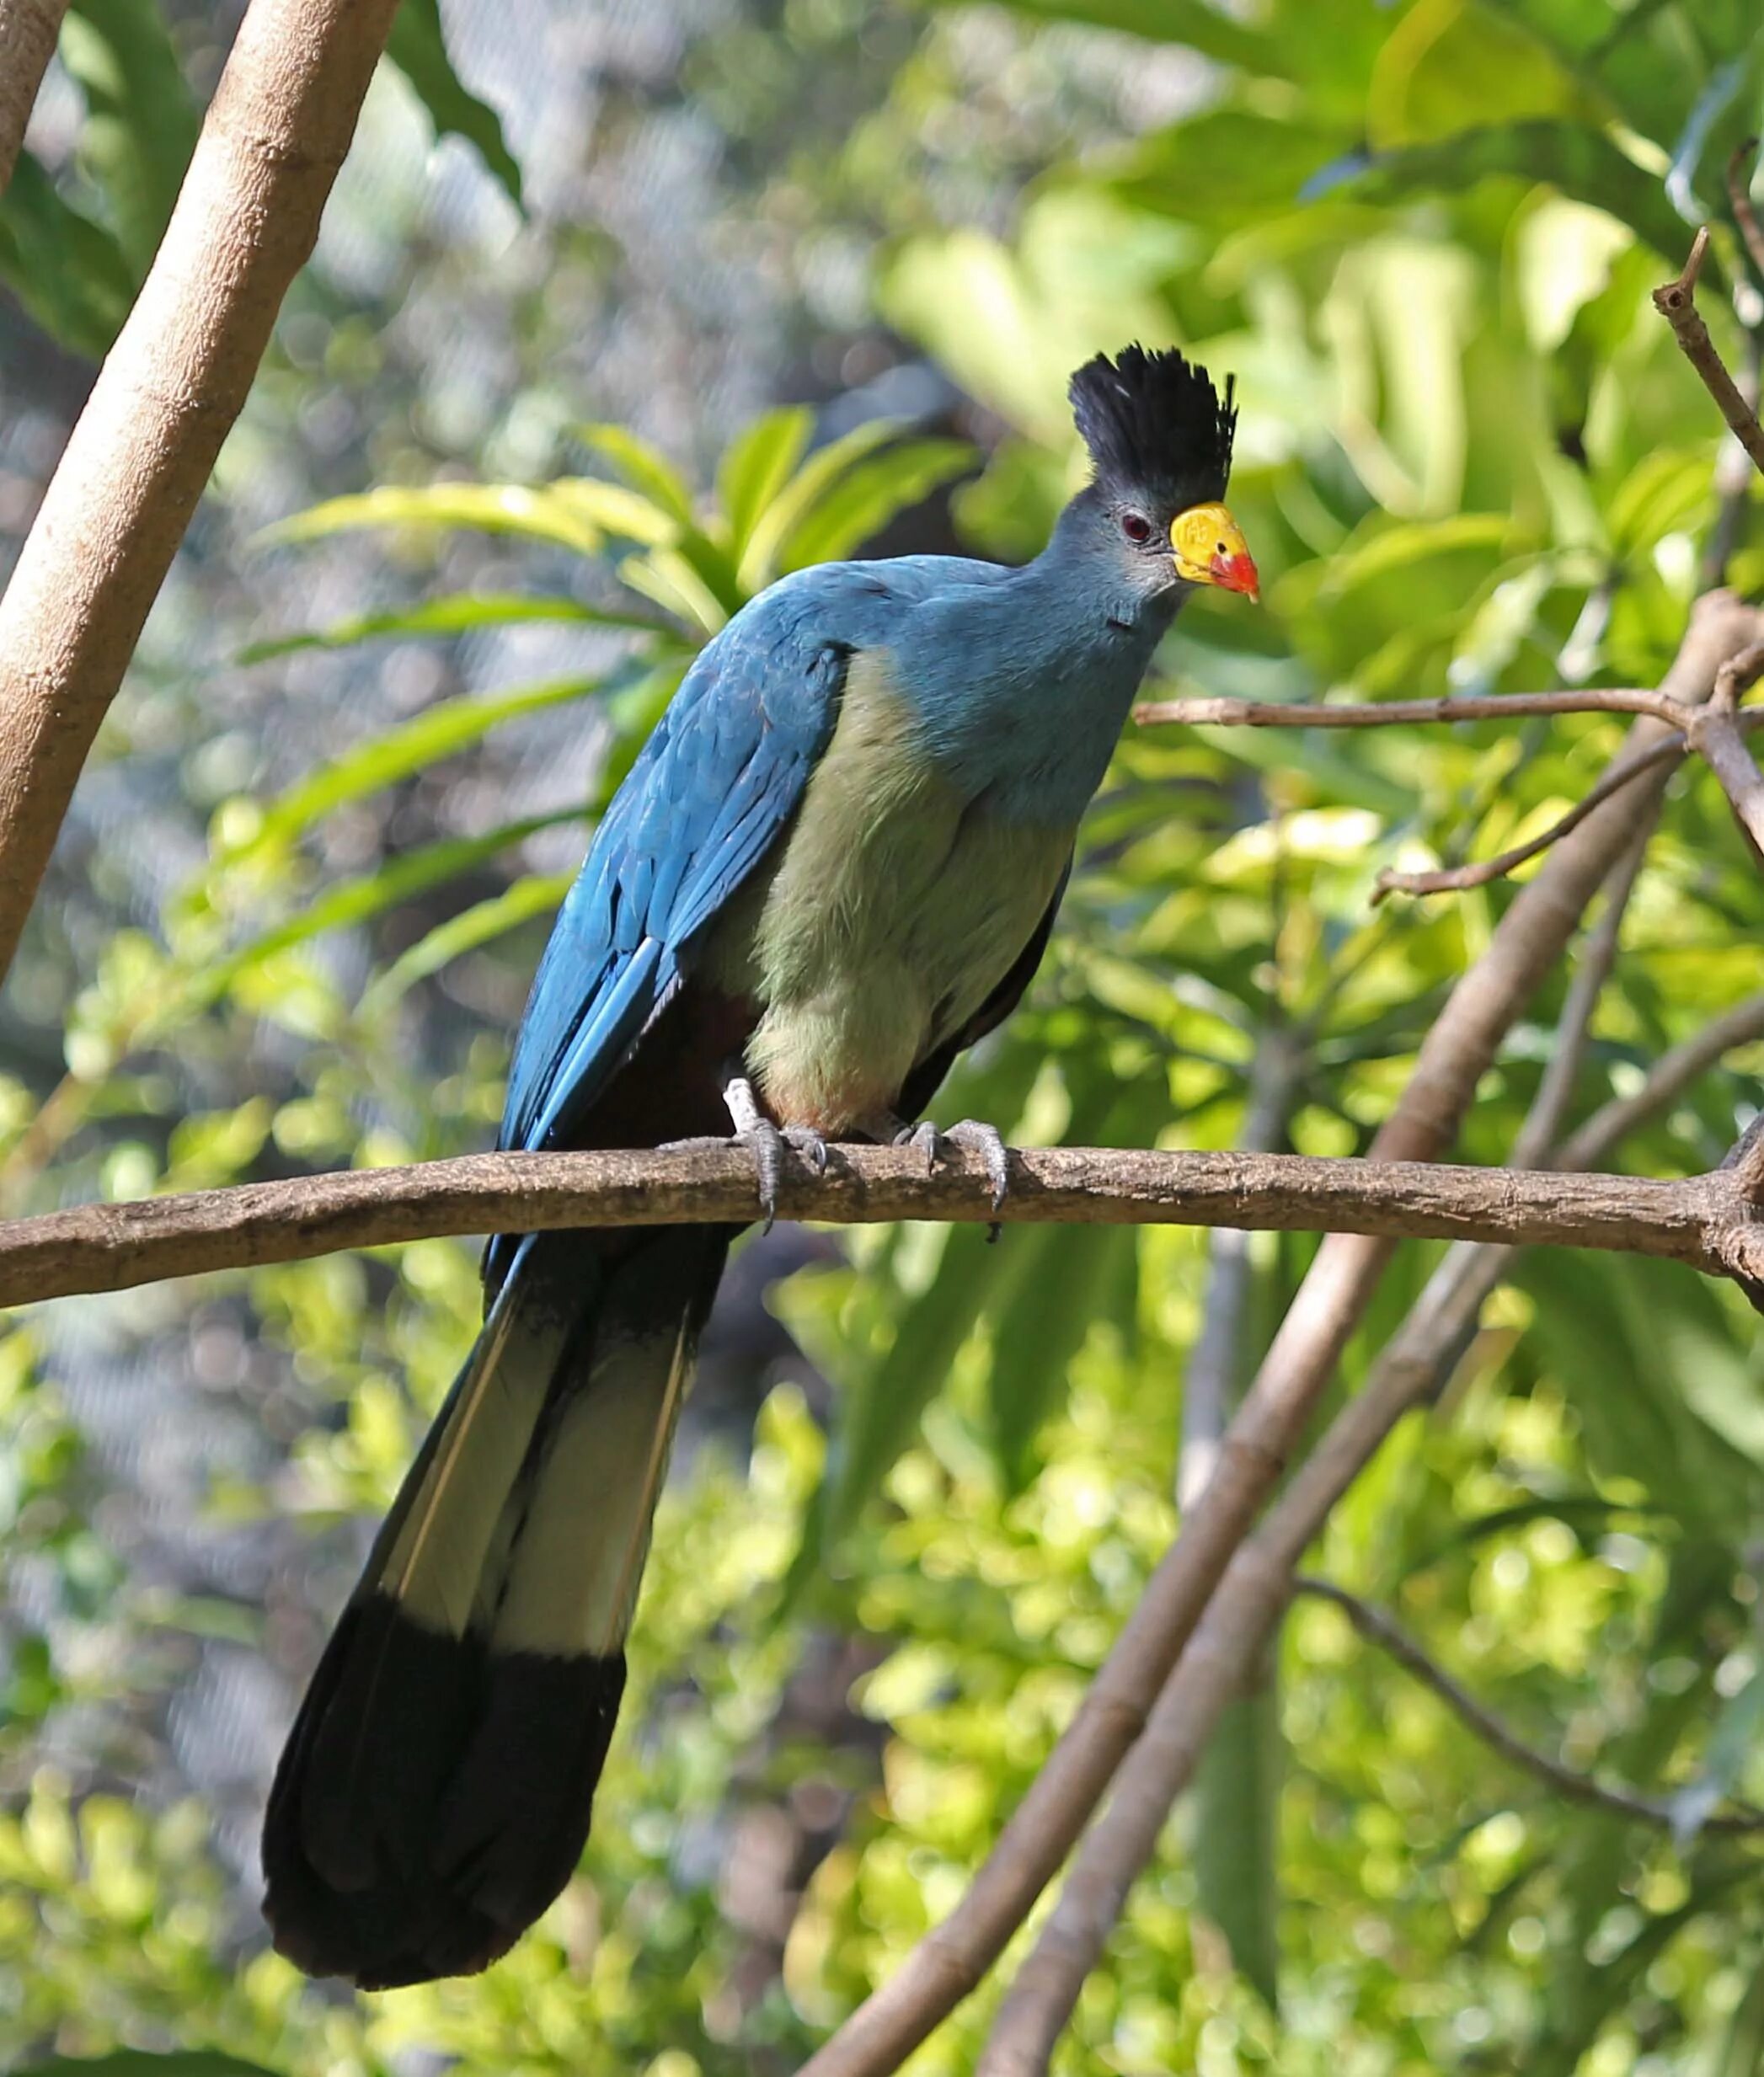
[1379, 714]
[1739, 197]
[1666, 1081]
[1715, 733]
[1676, 303]
[1380, 1628]
[1451, 879]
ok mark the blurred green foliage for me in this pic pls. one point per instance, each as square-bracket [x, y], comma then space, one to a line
[1471, 460]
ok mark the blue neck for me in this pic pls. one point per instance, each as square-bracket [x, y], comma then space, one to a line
[1024, 686]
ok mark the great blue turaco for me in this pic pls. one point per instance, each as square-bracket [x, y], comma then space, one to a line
[836, 863]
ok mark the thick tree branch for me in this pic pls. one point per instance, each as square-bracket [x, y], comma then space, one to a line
[1239, 1624]
[28, 33]
[1705, 1221]
[1676, 303]
[1529, 940]
[117, 508]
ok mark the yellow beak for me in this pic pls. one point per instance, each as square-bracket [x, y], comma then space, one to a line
[1210, 549]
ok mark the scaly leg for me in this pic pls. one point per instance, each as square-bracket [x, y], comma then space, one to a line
[763, 1139]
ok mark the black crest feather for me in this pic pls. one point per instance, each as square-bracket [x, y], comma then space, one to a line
[1156, 426]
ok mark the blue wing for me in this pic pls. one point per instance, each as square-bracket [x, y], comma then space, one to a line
[713, 788]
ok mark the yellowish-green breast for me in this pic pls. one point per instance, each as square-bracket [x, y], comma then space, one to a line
[894, 909]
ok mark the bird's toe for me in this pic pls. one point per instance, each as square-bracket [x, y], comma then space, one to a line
[977, 1137]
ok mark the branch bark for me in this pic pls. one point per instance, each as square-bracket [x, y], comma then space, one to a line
[1705, 1221]
[1676, 303]
[1529, 940]
[245, 221]
[28, 33]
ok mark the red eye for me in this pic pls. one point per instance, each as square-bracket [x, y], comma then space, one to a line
[1135, 526]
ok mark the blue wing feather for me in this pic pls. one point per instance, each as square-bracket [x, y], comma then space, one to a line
[710, 792]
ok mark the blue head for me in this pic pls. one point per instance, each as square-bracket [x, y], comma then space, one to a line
[1153, 521]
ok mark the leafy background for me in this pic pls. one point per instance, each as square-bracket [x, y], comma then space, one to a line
[716, 292]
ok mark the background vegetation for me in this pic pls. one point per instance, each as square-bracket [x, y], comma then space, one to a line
[1423, 235]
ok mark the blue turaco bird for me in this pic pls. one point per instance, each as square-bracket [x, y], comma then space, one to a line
[835, 864]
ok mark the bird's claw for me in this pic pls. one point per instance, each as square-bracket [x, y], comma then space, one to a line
[974, 1137]
[766, 1142]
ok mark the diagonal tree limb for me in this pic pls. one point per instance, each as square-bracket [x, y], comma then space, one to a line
[166, 397]
[1529, 940]
[28, 33]
[1240, 1620]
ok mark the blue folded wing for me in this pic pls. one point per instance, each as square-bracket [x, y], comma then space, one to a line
[709, 794]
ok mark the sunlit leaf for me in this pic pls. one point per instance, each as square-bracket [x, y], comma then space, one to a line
[643, 467]
[864, 501]
[778, 519]
[536, 894]
[756, 466]
[141, 122]
[462, 614]
[488, 507]
[418, 46]
[67, 271]
[442, 731]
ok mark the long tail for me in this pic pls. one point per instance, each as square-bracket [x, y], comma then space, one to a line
[435, 1793]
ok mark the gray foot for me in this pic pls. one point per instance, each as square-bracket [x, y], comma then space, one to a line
[975, 1138]
[766, 1143]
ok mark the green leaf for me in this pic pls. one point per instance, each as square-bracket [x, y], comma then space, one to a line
[1228, 166]
[1201, 28]
[879, 1414]
[354, 901]
[459, 614]
[538, 894]
[1731, 1745]
[1044, 1313]
[488, 508]
[1447, 66]
[1578, 162]
[787, 510]
[869, 497]
[442, 731]
[419, 49]
[142, 121]
[757, 465]
[1236, 1800]
[1053, 1284]
[643, 468]
[68, 272]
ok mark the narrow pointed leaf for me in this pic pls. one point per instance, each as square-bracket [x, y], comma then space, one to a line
[418, 46]
[461, 614]
[142, 121]
[870, 496]
[643, 468]
[756, 466]
[486, 508]
[441, 732]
